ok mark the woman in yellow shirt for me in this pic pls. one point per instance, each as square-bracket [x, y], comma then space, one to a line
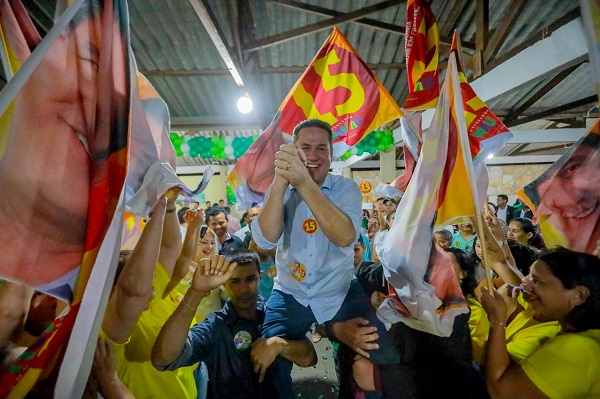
[563, 285]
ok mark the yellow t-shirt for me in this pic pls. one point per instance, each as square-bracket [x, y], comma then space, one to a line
[567, 366]
[134, 365]
[524, 335]
[479, 327]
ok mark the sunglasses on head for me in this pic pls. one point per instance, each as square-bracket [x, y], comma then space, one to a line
[203, 231]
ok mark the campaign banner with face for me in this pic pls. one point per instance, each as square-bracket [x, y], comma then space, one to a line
[565, 199]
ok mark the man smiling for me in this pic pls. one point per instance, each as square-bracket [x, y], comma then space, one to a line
[314, 219]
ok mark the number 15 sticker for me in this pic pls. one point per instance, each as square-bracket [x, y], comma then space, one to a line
[310, 226]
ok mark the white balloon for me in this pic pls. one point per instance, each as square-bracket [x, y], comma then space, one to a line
[353, 150]
[229, 139]
[230, 156]
[185, 148]
[229, 150]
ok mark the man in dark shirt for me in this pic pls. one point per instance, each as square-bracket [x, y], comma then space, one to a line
[217, 220]
[228, 341]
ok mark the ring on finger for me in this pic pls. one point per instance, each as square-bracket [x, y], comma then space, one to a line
[287, 167]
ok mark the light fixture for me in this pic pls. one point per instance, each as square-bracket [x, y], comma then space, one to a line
[490, 156]
[244, 104]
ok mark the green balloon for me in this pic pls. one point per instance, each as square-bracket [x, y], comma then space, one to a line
[379, 135]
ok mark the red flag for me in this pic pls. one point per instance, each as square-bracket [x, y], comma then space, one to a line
[422, 48]
[486, 132]
[338, 88]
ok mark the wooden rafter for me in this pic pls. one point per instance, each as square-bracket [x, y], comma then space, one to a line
[277, 70]
[512, 118]
[371, 23]
[318, 26]
[482, 22]
[558, 110]
[534, 38]
[500, 34]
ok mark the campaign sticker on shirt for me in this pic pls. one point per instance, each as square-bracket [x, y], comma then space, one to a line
[242, 340]
[297, 271]
[272, 272]
[310, 226]
[377, 299]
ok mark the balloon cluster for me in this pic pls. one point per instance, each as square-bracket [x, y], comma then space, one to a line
[380, 140]
[230, 195]
[216, 147]
[228, 147]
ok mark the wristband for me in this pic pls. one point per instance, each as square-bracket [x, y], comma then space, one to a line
[171, 210]
[492, 322]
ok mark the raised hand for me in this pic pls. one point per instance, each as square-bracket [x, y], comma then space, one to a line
[211, 273]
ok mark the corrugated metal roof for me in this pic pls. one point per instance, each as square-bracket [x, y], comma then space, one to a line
[172, 46]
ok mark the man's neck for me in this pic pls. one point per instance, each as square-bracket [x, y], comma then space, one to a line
[502, 207]
[249, 314]
[223, 238]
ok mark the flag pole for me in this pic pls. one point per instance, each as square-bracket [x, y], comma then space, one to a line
[466, 152]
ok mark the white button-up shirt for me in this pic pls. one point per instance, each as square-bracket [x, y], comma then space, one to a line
[316, 272]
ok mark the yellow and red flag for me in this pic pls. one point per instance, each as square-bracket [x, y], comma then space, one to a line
[337, 87]
[486, 132]
[565, 199]
[422, 49]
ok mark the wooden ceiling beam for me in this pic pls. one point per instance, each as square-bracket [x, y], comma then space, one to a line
[318, 26]
[552, 83]
[557, 110]
[534, 38]
[499, 36]
[368, 22]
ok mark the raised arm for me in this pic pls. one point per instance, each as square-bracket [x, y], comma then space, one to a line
[270, 219]
[170, 245]
[171, 339]
[194, 221]
[134, 287]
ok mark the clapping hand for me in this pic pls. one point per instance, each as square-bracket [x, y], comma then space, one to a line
[211, 273]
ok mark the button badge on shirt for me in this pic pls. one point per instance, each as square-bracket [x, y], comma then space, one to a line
[242, 340]
[310, 226]
[377, 299]
[297, 271]
[272, 272]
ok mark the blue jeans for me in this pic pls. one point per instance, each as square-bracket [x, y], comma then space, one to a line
[286, 317]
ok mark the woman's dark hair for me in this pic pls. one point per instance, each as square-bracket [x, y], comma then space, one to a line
[528, 226]
[469, 283]
[573, 269]
[473, 255]
[524, 255]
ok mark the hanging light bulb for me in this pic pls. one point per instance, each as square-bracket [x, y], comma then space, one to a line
[244, 104]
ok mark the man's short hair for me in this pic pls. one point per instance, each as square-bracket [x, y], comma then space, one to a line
[503, 196]
[214, 211]
[446, 235]
[243, 257]
[313, 123]
[227, 209]
[361, 241]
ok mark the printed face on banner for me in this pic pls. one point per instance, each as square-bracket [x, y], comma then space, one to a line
[569, 195]
[52, 140]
